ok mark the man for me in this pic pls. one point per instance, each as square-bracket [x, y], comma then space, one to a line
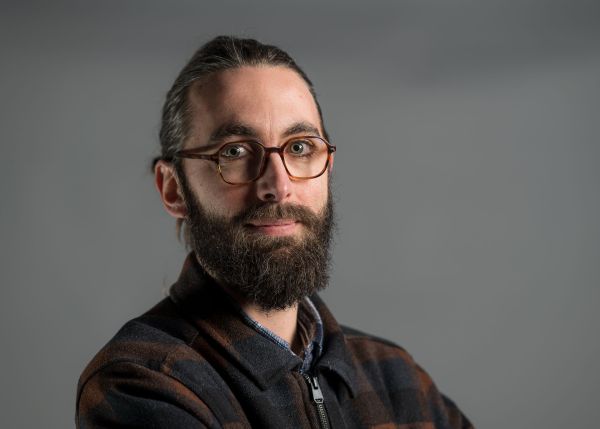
[243, 340]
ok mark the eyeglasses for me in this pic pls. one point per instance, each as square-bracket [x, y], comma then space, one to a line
[244, 162]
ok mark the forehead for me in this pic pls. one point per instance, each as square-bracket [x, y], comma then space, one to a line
[268, 99]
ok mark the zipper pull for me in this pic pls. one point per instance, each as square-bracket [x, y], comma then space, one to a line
[317, 394]
[317, 397]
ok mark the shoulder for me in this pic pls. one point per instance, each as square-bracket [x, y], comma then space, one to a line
[368, 347]
[354, 334]
[385, 366]
[389, 370]
[148, 372]
[151, 341]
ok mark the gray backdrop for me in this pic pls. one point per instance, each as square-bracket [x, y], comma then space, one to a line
[466, 178]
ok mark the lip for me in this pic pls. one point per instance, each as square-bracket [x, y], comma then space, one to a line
[274, 227]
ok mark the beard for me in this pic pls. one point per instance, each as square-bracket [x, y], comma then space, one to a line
[273, 272]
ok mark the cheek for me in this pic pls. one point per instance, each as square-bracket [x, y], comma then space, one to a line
[314, 195]
[228, 200]
[214, 194]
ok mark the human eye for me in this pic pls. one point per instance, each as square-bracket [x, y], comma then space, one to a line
[235, 151]
[301, 147]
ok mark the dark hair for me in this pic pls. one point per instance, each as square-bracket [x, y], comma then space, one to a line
[219, 54]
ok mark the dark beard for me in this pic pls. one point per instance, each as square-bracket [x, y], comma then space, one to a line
[271, 272]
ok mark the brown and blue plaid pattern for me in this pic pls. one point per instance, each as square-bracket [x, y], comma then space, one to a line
[192, 362]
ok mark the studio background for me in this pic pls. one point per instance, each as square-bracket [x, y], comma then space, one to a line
[466, 179]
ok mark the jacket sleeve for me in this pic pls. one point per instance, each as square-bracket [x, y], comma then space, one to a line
[130, 395]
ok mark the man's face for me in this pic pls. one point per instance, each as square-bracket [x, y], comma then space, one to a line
[267, 240]
[262, 103]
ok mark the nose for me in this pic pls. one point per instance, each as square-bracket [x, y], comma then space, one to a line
[275, 184]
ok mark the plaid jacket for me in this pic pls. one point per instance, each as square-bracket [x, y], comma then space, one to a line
[191, 362]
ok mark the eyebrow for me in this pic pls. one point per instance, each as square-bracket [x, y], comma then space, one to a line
[231, 129]
[240, 129]
[302, 127]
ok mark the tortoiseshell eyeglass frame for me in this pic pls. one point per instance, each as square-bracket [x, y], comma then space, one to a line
[192, 154]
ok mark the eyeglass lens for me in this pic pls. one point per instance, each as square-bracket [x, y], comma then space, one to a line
[241, 162]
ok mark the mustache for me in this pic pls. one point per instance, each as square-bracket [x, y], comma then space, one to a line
[270, 211]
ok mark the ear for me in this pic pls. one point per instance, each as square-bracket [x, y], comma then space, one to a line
[167, 185]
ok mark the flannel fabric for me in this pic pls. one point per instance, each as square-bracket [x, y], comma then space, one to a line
[192, 362]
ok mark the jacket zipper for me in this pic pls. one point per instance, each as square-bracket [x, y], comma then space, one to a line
[317, 396]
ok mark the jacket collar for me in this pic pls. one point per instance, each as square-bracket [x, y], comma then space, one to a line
[336, 357]
[218, 319]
